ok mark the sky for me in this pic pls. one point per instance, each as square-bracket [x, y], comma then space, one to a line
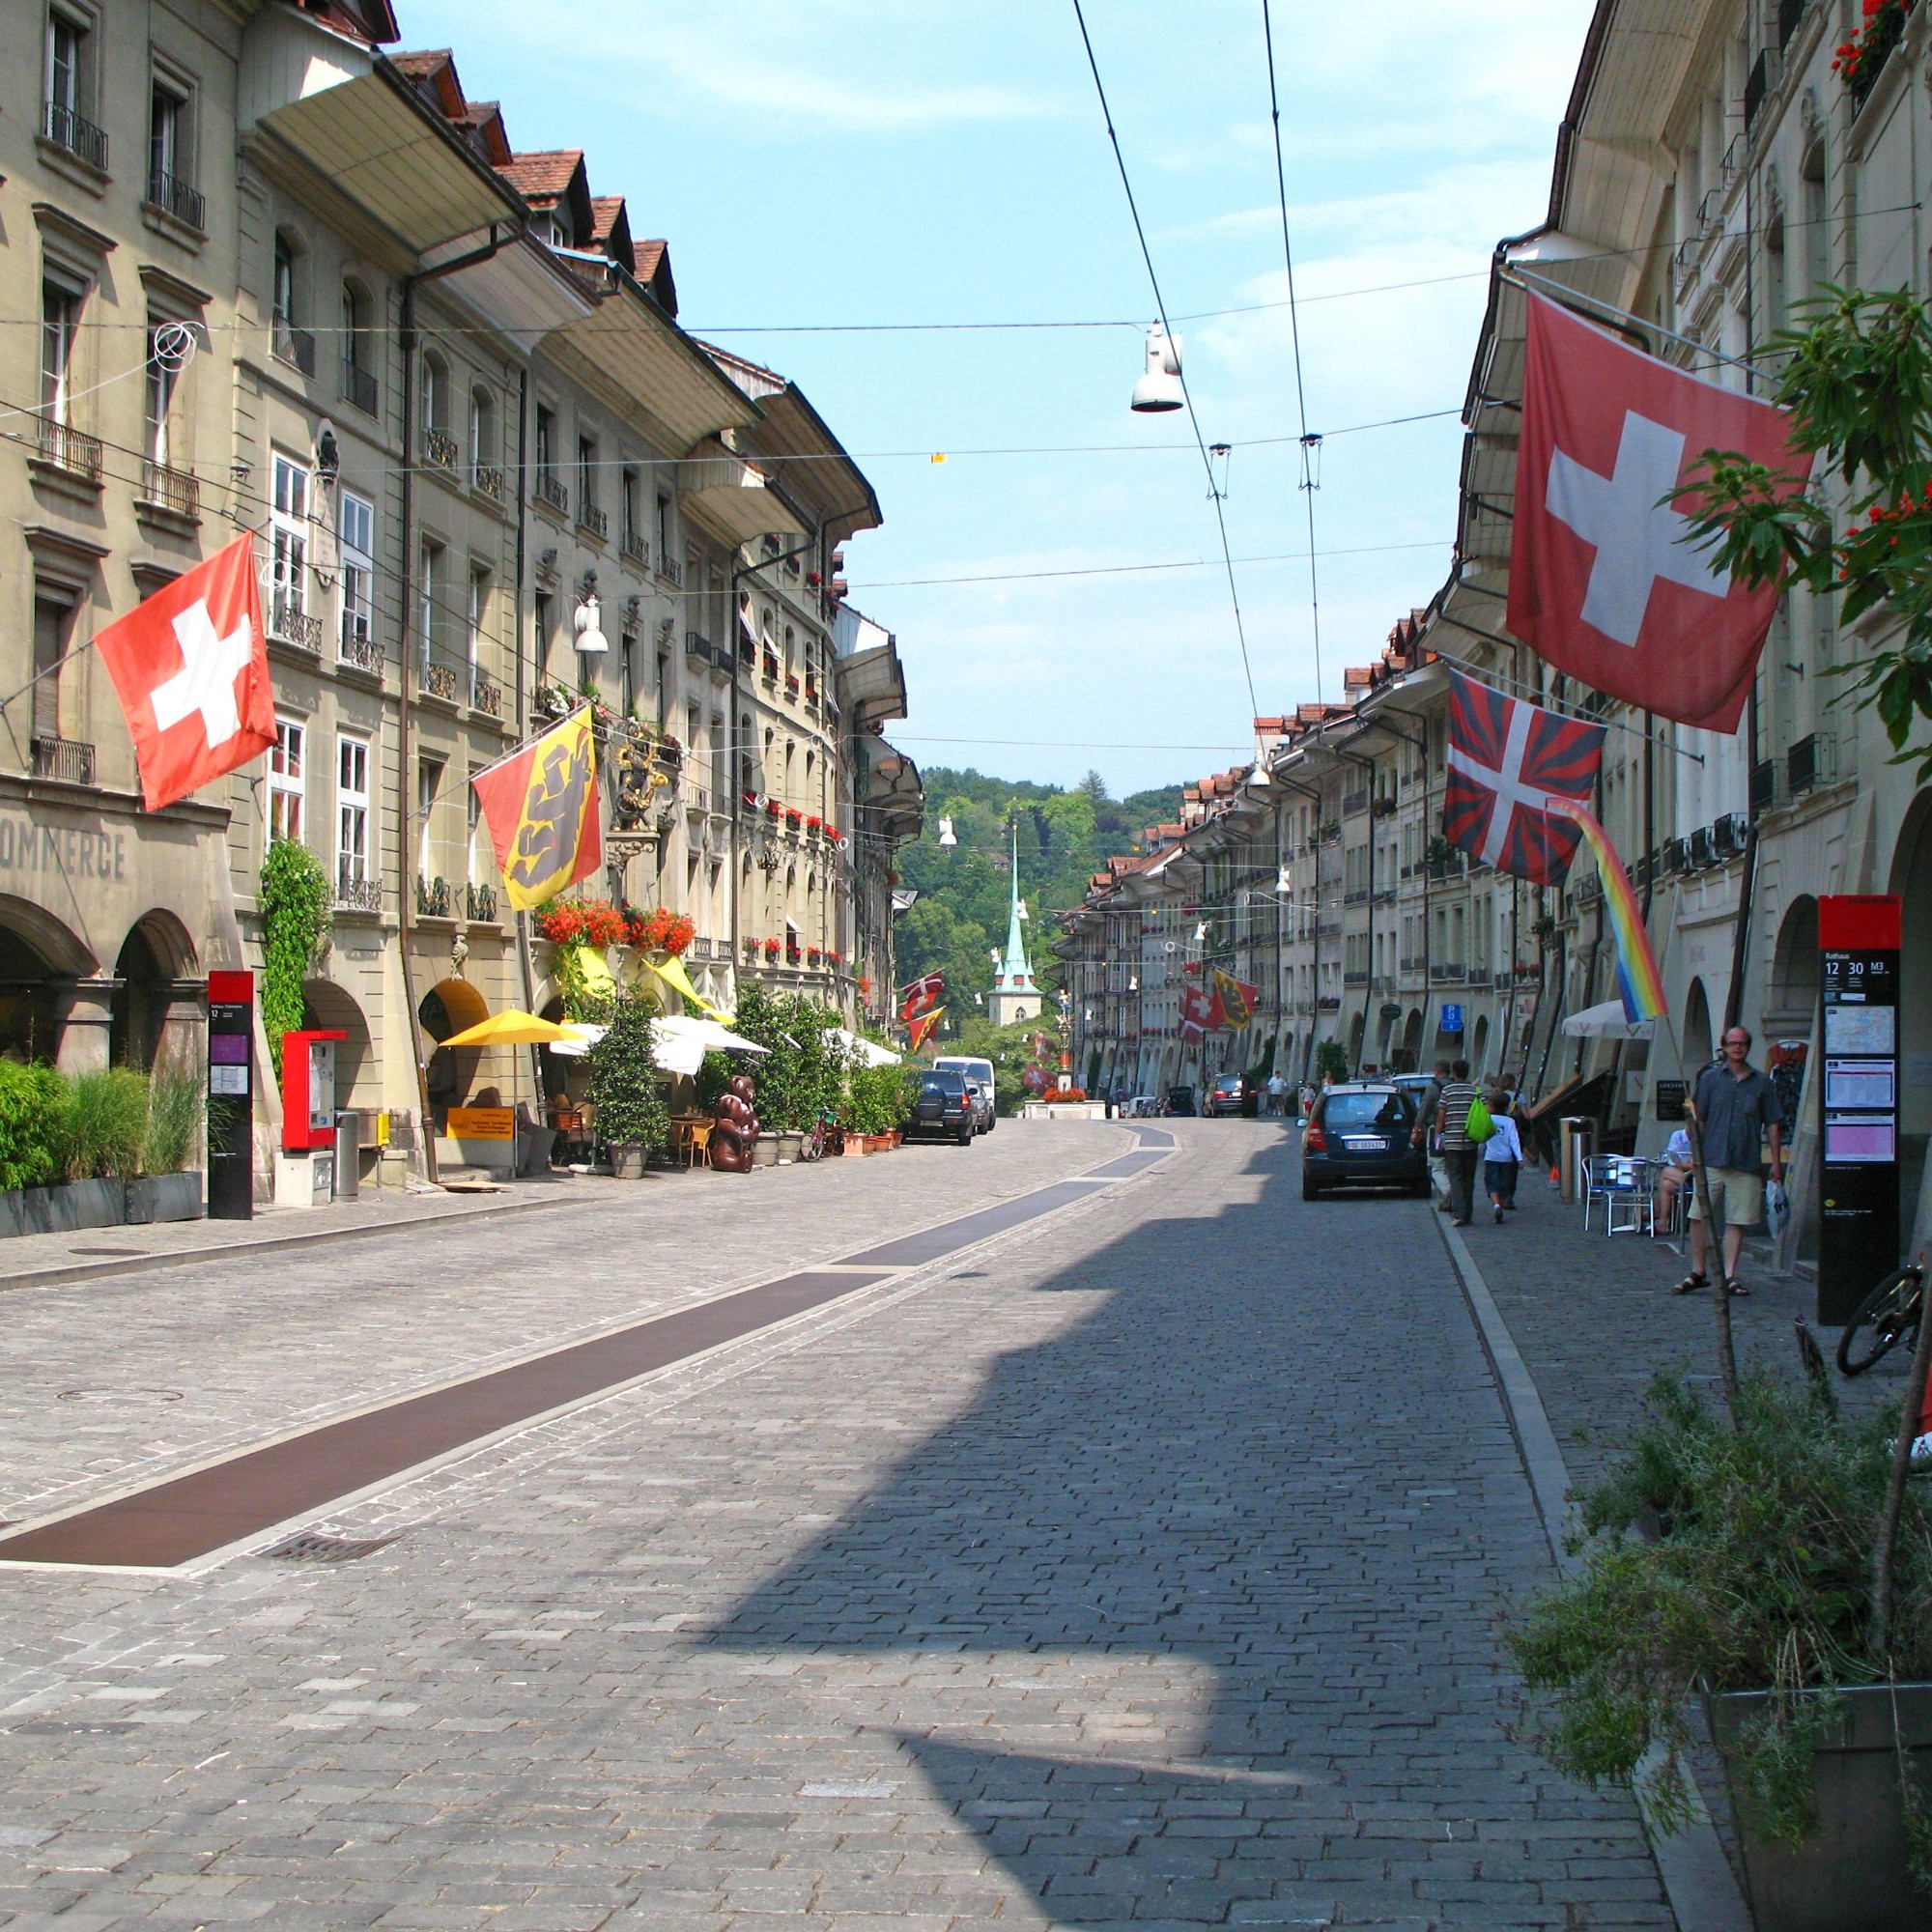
[822, 170]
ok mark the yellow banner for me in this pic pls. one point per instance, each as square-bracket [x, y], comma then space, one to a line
[541, 807]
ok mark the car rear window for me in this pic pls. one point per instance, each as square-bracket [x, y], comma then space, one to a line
[1384, 1111]
[942, 1083]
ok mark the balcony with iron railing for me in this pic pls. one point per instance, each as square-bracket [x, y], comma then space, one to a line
[436, 899]
[479, 904]
[551, 492]
[174, 197]
[291, 625]
[1444, 973]
[360, 389]
[293, 345]
[355, 646]
[63, 759]
[487, 480]
[440, 680]
[593, 522]
[354, 890]
[440, 450]
[1354, 804]
[176, 491]
[1790, 14]
[69, 451]
[632, 548]
[1811, 761]
[670, 569]
[74, 131]
[485, 694]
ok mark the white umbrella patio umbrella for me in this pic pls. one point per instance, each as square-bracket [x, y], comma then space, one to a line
[866, 1052]
[1606, 1022]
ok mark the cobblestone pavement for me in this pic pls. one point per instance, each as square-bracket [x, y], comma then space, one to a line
[1140, 1564]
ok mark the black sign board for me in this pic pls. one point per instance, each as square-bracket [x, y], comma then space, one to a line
[1858, 1101]
[1669, 1097]
[231, 1097]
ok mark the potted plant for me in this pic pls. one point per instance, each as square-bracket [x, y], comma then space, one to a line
[1769, 1558]
[633, 1120]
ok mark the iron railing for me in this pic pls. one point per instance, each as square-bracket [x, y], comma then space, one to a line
[291, 344]
[289, 624]
[553, 493]
[593, 522]
[70, 451]
[440, 680]
[439, 448]
[487, 480]
[632, 547]
[64, 758]
[355, 646]
[174, 196]
[485, 694]
[670, 570]
[1811, 761]
[175, 490]
[79, 135]
[353, 892]
[479, 904]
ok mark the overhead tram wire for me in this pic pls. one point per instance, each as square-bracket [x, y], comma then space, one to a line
[1160, 305]
[1308, 443]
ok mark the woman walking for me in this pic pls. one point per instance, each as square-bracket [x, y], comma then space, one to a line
[1502, 1155]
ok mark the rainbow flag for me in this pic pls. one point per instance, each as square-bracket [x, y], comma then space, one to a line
[1638, 980]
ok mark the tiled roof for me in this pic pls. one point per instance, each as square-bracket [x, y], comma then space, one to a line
[542, 178]
[649, 254]
[421, 65]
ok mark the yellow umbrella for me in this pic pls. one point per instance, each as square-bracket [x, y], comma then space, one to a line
[510, 1029]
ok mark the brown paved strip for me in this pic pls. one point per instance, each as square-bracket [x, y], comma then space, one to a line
[932, 1244]
[176, 1522]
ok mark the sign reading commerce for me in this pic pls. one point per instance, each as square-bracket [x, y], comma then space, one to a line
[72, 851]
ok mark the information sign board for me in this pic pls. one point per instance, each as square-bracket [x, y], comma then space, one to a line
[231, 1109]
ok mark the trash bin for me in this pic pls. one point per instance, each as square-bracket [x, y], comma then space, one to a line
[1576, 1132]
[348, 1155]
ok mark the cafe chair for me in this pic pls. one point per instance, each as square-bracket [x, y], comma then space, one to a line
[1622, 1184]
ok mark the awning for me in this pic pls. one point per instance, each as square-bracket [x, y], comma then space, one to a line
[866, 1052]
[732, 493]
[871, 686]
[681, 1041]
[352, 120]
[627, 341]
[1606, 1022]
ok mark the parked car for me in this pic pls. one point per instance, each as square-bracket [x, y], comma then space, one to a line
[1358, 1137]
[1226, 1095]
[981, 1070]
[982, 1104]
[942, 1108]
[1180, 1100]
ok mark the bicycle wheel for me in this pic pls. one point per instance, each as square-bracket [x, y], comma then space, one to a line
[1891, 1311]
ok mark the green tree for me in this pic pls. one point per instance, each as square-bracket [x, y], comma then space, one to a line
[293, 900]
[624, 1079]
[1858, 382]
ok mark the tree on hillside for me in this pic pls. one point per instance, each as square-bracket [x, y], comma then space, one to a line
[931, 937]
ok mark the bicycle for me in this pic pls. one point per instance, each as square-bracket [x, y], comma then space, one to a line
[817, 1143]
[1892, 1310]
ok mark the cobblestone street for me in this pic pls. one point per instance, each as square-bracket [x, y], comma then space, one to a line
[1139, 1562]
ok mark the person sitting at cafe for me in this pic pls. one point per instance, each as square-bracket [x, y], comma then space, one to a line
[1672, 1177]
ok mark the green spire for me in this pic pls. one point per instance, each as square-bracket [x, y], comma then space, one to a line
[1015, 975]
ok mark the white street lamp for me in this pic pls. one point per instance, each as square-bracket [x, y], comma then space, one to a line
[1159, 390]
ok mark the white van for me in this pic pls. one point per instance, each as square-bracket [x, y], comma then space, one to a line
[981, 1070]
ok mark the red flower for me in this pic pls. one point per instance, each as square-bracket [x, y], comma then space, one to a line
[771, 949]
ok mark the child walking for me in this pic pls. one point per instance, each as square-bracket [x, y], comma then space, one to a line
[1502, 1156]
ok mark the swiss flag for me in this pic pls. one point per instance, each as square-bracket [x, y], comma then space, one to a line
[190, 664]
[1602, 583]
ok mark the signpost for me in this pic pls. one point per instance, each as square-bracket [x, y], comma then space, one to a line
[1452, 1016]
[231, 1099]
[1858, 1100]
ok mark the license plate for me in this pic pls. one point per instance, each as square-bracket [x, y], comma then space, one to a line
[1366, 1147]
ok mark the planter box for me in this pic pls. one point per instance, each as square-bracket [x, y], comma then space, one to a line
[765, 1151]
[854, 1145]
[628, 1160]
[66, 1210]
[164, 1196]
[788, 1143]
[1850, 1875]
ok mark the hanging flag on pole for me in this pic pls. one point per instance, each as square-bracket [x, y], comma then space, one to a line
[924, 1028]
[1200, 1014]
[1606, 580]
[1638, 979]
[921, 996]
[540, 805]
[1235, 999]
[190, 666]
[1508, 760]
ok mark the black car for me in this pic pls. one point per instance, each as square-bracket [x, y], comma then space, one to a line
[1359, 1136]
[1180, 1100]
[1227, 1096]
[942, 1108]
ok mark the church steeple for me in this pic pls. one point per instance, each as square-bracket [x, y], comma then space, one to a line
[1014, 997]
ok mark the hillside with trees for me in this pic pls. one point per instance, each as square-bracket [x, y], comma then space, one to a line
[961, 914]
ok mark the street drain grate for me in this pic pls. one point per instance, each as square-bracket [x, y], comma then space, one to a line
[122, 1398]
[311, 1546]
[119, 1254]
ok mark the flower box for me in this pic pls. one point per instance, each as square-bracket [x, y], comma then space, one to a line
[773, 809]
[793, 820]
[772, 948]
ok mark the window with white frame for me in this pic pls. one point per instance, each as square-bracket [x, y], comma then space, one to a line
[429, 788]
[429, 600]
[476, 616]
[356, 539]
[60, 330]
[288, 542]
[352, 810]
[287, 780]
[167, 366]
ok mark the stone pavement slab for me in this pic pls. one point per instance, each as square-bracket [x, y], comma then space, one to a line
[1141, 1565]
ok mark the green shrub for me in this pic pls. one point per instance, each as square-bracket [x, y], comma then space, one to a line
[294, 899]
[35, 1104]
[107, 1123]
[624, 1079]
[879, 1098]
[802, 1073]
[177, 1113]
[1759, 1577]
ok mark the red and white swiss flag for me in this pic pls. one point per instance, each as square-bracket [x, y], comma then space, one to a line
[1602, 582]
[190, 664]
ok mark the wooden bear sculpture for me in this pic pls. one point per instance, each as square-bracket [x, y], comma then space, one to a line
[736, 1130]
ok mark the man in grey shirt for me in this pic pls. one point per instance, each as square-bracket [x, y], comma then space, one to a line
[1737, 1107]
